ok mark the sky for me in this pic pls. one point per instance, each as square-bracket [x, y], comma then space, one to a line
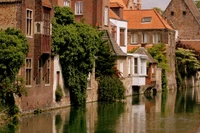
[149, 4]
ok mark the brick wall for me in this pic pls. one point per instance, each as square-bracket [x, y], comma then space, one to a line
[186, 25]
[8, 15]
[93, 12]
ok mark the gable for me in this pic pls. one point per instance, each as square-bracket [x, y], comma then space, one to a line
[183, 16]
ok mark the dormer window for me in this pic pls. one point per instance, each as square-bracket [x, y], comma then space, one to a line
[146, 19]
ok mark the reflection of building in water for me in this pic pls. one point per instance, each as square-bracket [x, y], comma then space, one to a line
[139, 118]
[125, 120]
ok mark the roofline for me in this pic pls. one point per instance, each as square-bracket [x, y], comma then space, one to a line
[119, 19]
[192, 12]
[152, 29]
[159, 16]
[188, 8]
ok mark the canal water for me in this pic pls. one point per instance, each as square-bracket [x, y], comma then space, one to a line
[172, 112]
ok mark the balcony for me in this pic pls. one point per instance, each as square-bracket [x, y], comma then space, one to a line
[46, 45]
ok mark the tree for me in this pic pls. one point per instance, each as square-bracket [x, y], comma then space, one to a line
[158, 53]
[77, 45]
[13, 50]
[197, 2]
[159, 10]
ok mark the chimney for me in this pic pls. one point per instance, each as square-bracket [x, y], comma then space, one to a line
[139, 4]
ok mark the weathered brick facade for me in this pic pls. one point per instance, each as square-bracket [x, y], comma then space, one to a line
[183, 16]
[14, 13]
[93, 12]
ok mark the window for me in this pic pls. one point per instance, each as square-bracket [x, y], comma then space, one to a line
[172, 13]
[134, 38]
[146, 19]
[143, 66]
[79, 8]
[184, 13]
[29, 20]
[46, 18]
[38, 78]
[66, 3]
[38, 27]
[144, 38]
[28, 71]
[122, 37]
[89, 81]
[156, 38]
[47, 77]
[106, 16]
[135, 65]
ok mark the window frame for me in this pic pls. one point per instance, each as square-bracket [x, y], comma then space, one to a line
[29, 73]
[39, 76]
[135, 66]
[48, 73]
[145, 38]
[29, 23]
[122, 32]
[134, 38]
[79, 8]
[66, 3]
[146, 19]
[106, 16]
[143, 67]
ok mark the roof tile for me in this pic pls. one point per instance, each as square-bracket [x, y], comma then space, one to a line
[135, 17]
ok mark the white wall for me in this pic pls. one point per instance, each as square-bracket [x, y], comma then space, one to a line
[57, 67]
[120, 24]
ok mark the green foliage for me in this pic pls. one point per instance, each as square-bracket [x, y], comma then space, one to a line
[109, 114]
[187, 62]
[59, 93]
[77, 44]
[158, 53]
[13, 50]
[105, 61]
[159, 10]
[110, 89]
[77, 121]
[197, 2]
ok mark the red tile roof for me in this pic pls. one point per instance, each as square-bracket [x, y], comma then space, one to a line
[135, 17]
[120, 2]
[194, 44]
[47, 3]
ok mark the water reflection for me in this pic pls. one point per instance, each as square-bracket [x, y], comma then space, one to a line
[172, 112]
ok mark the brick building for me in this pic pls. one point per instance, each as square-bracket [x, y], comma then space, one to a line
[147, 27]
[33, 18]
[184, 17]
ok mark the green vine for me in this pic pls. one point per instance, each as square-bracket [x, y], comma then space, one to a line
[13, 50]
[76, 44]
[158, 53]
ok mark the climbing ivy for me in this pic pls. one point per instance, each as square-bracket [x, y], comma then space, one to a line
[13, 50]
[76, 44]
[158, 53]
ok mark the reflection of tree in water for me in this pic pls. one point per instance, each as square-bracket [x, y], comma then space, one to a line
[77, 121]
[184, 101]
[108, 114]
[58, 123]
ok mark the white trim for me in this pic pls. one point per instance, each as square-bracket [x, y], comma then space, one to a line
[31, 23]
[79, 8]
